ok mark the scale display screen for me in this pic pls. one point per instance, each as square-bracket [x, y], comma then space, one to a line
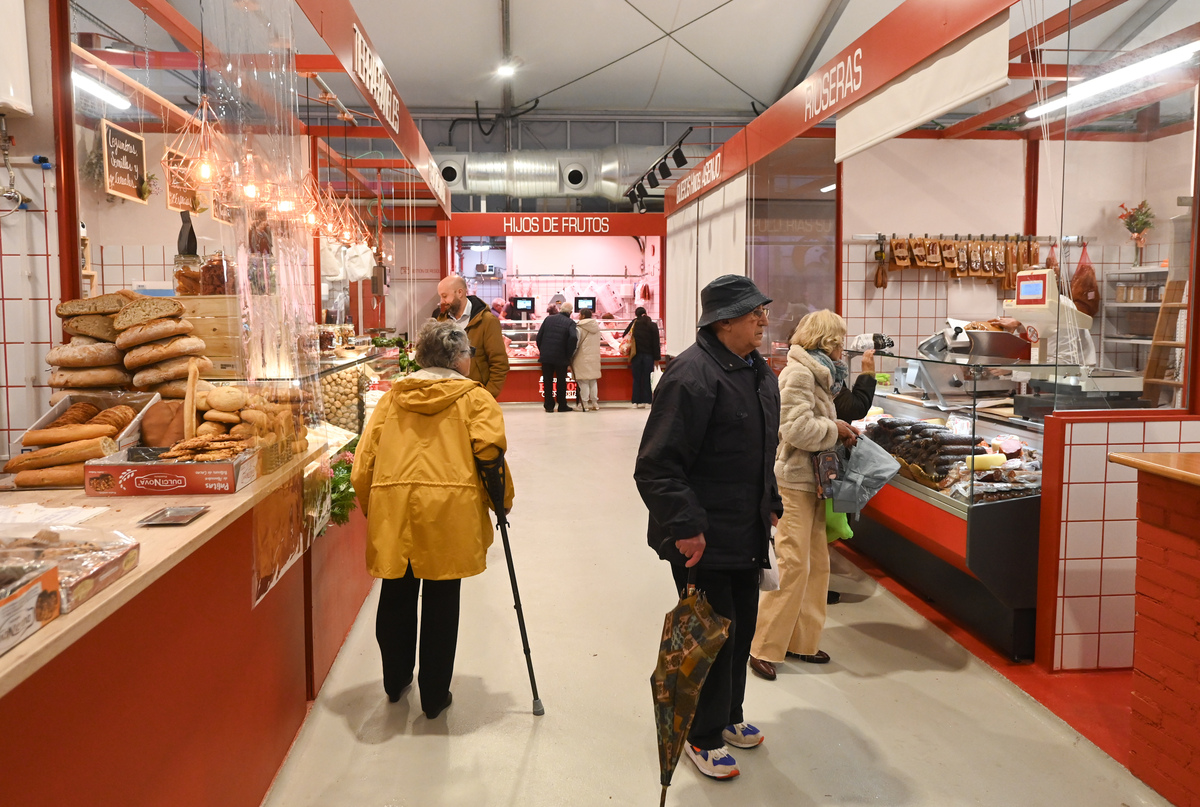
[1032, 290]
[524, 303]
[585, 302]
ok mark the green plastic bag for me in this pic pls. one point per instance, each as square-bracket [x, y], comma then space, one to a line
[836, 524]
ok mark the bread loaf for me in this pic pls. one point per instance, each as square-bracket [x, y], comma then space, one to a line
[104, 304]
[94, 325]
[83, 340]
[217, 416]
[208, 427]
[62, 394]
[80, 412]
[100, 354]
[78, 451]
[119, 416]
[152, 331]
[92, 377]
[67, 434]
[227, 399]
[163, 349]
[59, 476]
[162, 424]
[168, 370]
[144, 310]
[178, 387]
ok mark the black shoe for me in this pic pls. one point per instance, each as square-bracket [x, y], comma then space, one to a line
[444, 707]
[568, 409]
[833, 598]
[550, 410]
[820, 657]
[394, 693]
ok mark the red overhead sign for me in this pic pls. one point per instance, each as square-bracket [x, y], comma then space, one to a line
[873, 60]
[492, 224]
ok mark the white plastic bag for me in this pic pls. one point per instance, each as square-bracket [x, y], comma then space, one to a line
[655, 374]
[768, 579]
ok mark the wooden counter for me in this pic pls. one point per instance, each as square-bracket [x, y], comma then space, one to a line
[1180, 467]
[162, 548]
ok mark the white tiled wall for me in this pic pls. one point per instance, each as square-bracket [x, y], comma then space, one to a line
[1098, 549]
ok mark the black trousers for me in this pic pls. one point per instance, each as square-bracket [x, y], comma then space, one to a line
[396, 632]
[555, 375]
[734, 595]
[641, 366]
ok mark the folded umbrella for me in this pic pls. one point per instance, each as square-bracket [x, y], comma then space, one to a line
[693, 634]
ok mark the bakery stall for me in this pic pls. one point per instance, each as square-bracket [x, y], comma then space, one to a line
[525, 262]
[166, 519]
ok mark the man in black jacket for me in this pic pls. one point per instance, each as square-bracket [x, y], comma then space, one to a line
[556, 341]
[706, 471]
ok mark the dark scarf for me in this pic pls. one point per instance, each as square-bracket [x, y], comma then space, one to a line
[838, 371]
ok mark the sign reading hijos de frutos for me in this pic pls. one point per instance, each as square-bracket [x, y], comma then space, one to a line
[124, 162]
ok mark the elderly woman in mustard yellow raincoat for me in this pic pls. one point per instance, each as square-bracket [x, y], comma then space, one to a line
[427, 511]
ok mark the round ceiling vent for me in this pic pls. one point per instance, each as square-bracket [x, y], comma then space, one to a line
[450, 172]
[575, 175]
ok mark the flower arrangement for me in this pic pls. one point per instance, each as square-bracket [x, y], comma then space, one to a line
[341, 493]
[1137, 220]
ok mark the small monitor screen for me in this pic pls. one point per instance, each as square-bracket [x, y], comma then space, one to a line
[1032, 290]
[585, 302]
[524, 303]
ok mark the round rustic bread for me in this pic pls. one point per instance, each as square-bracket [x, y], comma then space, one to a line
[208, 427]
[100, 354]
[163, 349]
[92, 377]
[152, 331]
[178, 388]
[217, 416]
[168, 370]
[227, 399]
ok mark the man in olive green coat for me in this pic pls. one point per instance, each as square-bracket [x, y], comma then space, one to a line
[489, 365]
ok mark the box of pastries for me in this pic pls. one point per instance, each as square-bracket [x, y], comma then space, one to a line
[28, 599]
[89, 560]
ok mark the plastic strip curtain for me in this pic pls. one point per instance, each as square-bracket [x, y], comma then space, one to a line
[259, 109]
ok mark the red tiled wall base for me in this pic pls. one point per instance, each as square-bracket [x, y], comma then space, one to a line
[1165, 746]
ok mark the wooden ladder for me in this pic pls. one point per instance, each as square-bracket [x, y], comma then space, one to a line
[1157, 379]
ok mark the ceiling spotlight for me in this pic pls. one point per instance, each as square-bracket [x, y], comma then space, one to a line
[677, 156]
[641, 208]
[101, 91]
[641, 190]
[652, 178]
[506, 70]
[829, 188]
[663, 170]
[633, 198]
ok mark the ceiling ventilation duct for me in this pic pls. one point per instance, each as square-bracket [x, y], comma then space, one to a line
[605, 173]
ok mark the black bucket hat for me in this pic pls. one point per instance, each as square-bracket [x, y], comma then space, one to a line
[729, 297]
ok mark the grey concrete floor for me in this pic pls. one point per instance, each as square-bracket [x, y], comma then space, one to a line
[902, 716]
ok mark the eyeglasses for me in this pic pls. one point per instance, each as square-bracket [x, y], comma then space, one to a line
[762, 312]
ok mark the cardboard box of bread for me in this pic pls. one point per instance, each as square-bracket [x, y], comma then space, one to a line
[28, 599]
[88, 559]
[217, 451]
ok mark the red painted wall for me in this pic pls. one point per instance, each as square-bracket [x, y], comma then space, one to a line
[183, 697]
[1165, 744]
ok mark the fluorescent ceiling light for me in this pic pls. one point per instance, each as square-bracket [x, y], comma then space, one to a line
[1117, 78]
[480, 248]
[95, 88]
[829, 188]
[506, 71]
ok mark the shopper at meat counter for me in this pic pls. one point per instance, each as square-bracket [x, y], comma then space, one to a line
[790, 620]
[586, 364]
[705, 472]
[556, 341]
[646, 352]
[489, 365]
[427, 513]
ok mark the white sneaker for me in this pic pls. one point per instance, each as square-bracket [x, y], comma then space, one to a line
[717, 763]
[743, 735]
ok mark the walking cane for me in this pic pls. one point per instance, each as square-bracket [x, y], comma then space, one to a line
[492, 474]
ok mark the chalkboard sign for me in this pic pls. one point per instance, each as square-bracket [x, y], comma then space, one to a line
[220, 207]
[124, 162]
[179, 196]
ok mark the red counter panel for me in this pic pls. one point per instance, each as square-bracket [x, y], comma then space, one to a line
[335, 571]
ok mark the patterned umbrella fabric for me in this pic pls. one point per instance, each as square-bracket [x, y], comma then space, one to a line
[692, 636]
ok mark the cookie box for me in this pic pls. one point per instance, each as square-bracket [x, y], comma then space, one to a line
[28, 599]
[89, 560]
[140, 471]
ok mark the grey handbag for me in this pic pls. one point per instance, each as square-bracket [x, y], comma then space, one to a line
[864, 474]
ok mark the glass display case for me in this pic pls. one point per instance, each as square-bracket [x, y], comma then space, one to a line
[521, 339]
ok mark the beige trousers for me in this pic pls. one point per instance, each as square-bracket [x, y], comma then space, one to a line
[791, 619]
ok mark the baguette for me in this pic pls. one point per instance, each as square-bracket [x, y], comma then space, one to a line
[119, 416]
[67, 434]
[189, 399]
[58, 476]
[162, 349]
[66, 454]
[101, 354]
[92, 377]
[169, 370]
[76, 413]
[63, 394]
[97, 326]
[146, 309]
[104, 304]
[152, 331]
